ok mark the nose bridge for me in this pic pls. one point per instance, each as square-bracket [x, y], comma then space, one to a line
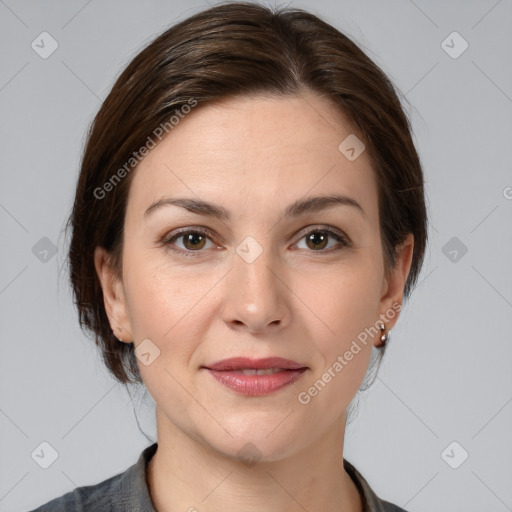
[255, 295]
[252, 264]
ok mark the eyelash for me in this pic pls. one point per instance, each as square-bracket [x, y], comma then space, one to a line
[343, 241]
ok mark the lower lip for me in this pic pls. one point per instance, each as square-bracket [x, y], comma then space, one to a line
[256, 384]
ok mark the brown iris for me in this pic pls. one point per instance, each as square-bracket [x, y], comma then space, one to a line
[196, 241]
[319, 239]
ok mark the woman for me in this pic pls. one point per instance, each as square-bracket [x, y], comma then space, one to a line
[249, 218]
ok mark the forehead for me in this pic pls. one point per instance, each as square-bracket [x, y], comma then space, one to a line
[259, 148]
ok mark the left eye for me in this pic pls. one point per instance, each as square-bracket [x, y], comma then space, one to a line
[317, 240]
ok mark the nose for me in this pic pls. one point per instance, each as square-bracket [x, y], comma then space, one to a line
[256, 297]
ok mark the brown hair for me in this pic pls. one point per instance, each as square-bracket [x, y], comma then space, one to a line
[227, 50]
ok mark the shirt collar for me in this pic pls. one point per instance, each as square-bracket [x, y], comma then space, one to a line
[371, 502]
[133, 486]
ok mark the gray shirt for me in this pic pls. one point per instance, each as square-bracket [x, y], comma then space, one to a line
[128, 492]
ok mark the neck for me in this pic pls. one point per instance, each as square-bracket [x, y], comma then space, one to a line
[185, 474]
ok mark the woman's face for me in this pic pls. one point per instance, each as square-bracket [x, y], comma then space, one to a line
[257, 282]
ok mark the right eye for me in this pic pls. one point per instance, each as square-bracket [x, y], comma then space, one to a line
[193, 240]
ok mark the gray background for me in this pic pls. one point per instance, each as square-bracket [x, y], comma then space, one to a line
[447, 373]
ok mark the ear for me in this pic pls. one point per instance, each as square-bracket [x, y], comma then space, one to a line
[113, 296]
[393, 286]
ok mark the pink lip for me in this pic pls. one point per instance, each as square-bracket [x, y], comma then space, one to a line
[245, 363]
[228, 373]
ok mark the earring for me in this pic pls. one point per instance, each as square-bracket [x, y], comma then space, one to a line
[384, 338]
[119, 330]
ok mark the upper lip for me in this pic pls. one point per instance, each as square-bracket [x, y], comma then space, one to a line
[245, 363]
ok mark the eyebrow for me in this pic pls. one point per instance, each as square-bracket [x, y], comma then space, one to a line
[299, 207]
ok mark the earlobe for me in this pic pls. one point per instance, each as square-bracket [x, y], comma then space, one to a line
[113, 296]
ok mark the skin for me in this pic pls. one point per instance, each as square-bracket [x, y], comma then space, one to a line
[254, 156]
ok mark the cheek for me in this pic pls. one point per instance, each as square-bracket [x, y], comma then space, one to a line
[165, 306]
[161, 298]
[331, 390]
[341, 301]
[169, 306]
[343, 357]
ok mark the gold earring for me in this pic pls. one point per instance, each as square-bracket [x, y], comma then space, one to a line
[384, 338]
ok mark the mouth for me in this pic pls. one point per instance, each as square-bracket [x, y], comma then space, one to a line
[252, 371]
[245, 363]
[253, 377]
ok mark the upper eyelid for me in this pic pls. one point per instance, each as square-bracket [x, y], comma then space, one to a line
[320, 227]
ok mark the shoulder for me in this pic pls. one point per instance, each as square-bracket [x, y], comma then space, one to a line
[390, 507]
[371, 502]
[100, 496]
[126, 490]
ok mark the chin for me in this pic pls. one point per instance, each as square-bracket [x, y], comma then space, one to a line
[257, 441]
